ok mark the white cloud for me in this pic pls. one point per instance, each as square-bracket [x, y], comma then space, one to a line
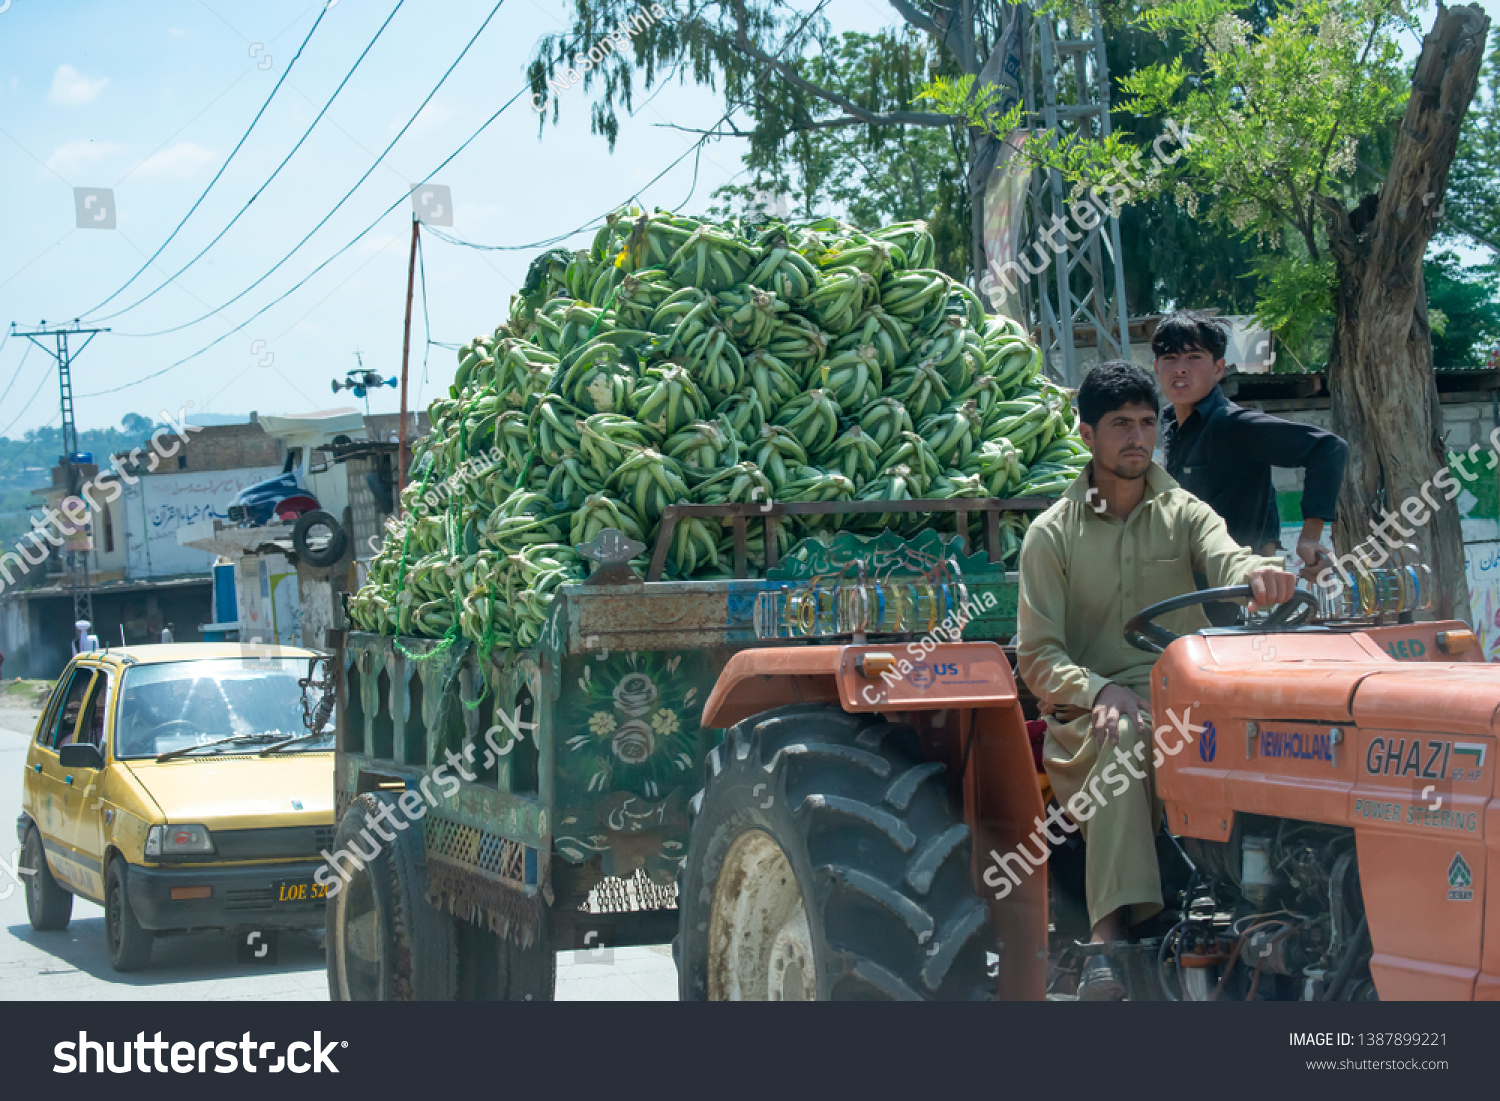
[181, 161]
[75, 156]
[177, 32]
[70, 88]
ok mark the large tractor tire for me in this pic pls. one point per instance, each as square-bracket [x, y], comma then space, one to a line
[384, 942]
[827, 863]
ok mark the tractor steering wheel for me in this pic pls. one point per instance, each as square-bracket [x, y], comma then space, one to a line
[1144, 634]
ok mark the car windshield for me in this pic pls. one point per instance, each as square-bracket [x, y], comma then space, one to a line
[184, 704]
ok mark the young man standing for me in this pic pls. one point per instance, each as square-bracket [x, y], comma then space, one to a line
[1123, 537]
[1223, 453]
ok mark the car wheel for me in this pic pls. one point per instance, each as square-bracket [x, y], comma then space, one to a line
[48, 905]
[385, 942]
[129, 944]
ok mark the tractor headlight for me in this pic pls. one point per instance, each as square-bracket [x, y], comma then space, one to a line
[190, 840]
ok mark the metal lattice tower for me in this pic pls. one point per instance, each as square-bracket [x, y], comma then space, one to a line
[77, 562]
[1067, 92]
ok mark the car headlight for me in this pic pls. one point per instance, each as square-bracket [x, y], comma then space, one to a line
[178, 841]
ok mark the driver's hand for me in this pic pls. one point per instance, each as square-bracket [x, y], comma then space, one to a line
[1110, 704]
[1269, 586]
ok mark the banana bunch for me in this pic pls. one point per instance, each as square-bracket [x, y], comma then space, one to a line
[837, 302]
[682, 317]
[667, 399]
[749, 314]
[855, 455]
[476, 365]
[579, 323]
[640, 295]
[715, 364]
[578, 276]
[812, 418]
[997, 464]
[912, 239]
[913, 453]
[955, 350]
[648, 482]
[598, 382]
[962, 302]
[917, 298]
[799, 344]
[773, 381]
[862, 253]
[755, 545]
[777, 453]
[896, 483]
[712, 259]
[952, 435]
[599, 512]
[744, 415]
[920, 387]
[884, 420]
[951, 484]
[742, 484]
[514, 440]
[548, 324]
[525, 519]
[652, 240]
[808, 483]
[523, 369]
[888, 337]
[543, 570]
[853, 377]
[694, 547]
[555, 420]
[785, 272]
[1013, 361]
[608, 439]
[570, 482]
[703, 449]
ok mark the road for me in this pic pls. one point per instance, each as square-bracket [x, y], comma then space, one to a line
[74, 965]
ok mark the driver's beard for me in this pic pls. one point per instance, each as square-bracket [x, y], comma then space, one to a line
[1117, 469]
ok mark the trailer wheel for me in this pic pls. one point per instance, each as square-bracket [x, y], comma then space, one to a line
[385, 943]
[497, 969]
[826, 863]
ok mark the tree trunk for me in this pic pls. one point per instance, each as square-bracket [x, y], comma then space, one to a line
[1383, 393]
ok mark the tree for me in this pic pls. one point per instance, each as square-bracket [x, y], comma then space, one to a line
[1463, 311]
[1472, 208]
[1280, 116]
[136, 425]
[754, 50]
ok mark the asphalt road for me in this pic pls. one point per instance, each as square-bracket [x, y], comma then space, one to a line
[74, 965]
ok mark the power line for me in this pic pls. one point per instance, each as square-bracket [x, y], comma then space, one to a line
[300, 283]
[274, 173]
[26, 351]
[692, 150]
[337, 206]
[243, 138]
[5, 432]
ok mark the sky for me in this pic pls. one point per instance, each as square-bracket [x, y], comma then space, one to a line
[147, 98]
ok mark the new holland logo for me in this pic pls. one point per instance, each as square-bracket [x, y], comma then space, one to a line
[1460, 880]
[1208, 744]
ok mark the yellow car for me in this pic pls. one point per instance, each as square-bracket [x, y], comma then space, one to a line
[179, 787]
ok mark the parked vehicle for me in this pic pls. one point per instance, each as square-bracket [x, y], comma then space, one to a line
[179, 787]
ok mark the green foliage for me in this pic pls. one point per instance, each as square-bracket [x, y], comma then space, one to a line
[1466, 302]
[1473, 198]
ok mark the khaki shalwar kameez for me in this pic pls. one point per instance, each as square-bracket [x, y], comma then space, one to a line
[1083, 574]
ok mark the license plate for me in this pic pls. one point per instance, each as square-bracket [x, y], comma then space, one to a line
[292, 891]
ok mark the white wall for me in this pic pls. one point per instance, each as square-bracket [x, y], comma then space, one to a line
[158, 504]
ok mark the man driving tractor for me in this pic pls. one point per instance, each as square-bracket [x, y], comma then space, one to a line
[1124, 536]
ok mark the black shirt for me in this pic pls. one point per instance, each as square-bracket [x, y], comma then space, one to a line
[1223, 454]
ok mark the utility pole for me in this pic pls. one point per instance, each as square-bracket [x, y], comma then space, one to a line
[77, 561]
[411, 275]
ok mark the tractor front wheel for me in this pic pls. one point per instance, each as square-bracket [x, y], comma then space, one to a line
[827, 863]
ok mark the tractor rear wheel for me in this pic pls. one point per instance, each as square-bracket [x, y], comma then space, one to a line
[826, 863]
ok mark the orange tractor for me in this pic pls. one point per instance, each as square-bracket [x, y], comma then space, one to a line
[1329, 794]
[825, 783]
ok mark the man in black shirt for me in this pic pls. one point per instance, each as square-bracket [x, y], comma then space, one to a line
[1223, 453]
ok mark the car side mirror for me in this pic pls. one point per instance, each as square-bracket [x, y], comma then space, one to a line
[80, 755]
